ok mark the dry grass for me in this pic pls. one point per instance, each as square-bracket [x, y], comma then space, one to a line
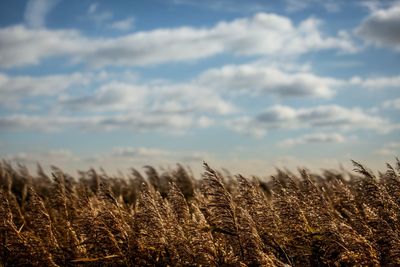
[172, 219]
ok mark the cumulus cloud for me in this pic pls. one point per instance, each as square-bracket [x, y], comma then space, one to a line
[255, 80]
[184, 98]
[246, 125]
[117, 102]
[329, 116]
[112, 96]
[263, 34]
[15, 88]
[382, 27]
[11, 122]
[314, 138]
[112, 102]
[148, 98]
[36, 11]
[20, 46]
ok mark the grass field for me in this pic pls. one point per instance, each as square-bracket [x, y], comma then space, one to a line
[336, 218]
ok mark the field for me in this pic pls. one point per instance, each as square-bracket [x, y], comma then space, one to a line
[336, 218]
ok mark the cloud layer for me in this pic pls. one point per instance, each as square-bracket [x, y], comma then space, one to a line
[263, 34]
[327, 116]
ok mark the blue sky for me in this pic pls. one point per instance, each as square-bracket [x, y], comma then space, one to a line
[245, 85]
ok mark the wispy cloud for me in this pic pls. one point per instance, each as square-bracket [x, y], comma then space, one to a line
[301, 5]
[137, 122]
[314, 138]
[105, 18]
[36, 11]
[98, 16]
[111, 159]
[134, 152]
[393, 103]
[53, 156]
[377, 82]
[122, 25]
[226, 5]
[151, 154]
[390, 149]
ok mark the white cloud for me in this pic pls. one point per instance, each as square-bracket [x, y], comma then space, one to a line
[382, 27]
[15, 88]
[249, 7]
[247, 126]
[136, 122]
[113, 102]
[205, 122]
[148, 98]
[134, 152]
[36, 11]
[20, 46]
[105, 17]
[329, 116]
[314, 138]
[98, 17]
[110, 160]
[255, 80]
[111, 96]
[123, 25]
[190, 98]
[275, 117]
[300, 5]
[37, 123]
[390, 149]
[146, 153]
[60, 153]
[263, 34]
[394, 103]
[53, 156]
[376, 82]
[92, 8]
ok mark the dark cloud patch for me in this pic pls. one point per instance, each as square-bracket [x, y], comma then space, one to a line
[382, 27]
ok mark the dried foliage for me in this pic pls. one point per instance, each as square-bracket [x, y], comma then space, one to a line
[171, 219]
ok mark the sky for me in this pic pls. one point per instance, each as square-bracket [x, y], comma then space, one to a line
[249, 86]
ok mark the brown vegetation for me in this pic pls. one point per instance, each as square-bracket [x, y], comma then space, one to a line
[172, 219]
